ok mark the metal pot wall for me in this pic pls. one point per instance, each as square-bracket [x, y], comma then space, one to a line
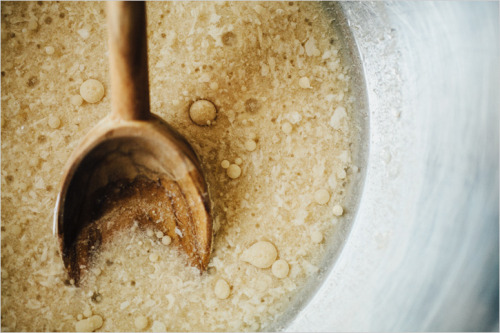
[422, 253]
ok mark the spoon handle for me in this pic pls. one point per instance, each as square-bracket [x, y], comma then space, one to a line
[128, 60]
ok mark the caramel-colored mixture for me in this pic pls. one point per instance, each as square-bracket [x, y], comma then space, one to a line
[277, 159]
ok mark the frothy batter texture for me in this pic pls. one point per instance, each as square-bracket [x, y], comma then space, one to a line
[274, 141]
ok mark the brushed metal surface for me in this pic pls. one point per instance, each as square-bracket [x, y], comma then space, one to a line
[423, 250]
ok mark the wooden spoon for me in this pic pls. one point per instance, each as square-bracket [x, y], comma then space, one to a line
[131, 148]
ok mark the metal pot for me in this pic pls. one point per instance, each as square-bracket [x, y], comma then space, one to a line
[422, 252]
